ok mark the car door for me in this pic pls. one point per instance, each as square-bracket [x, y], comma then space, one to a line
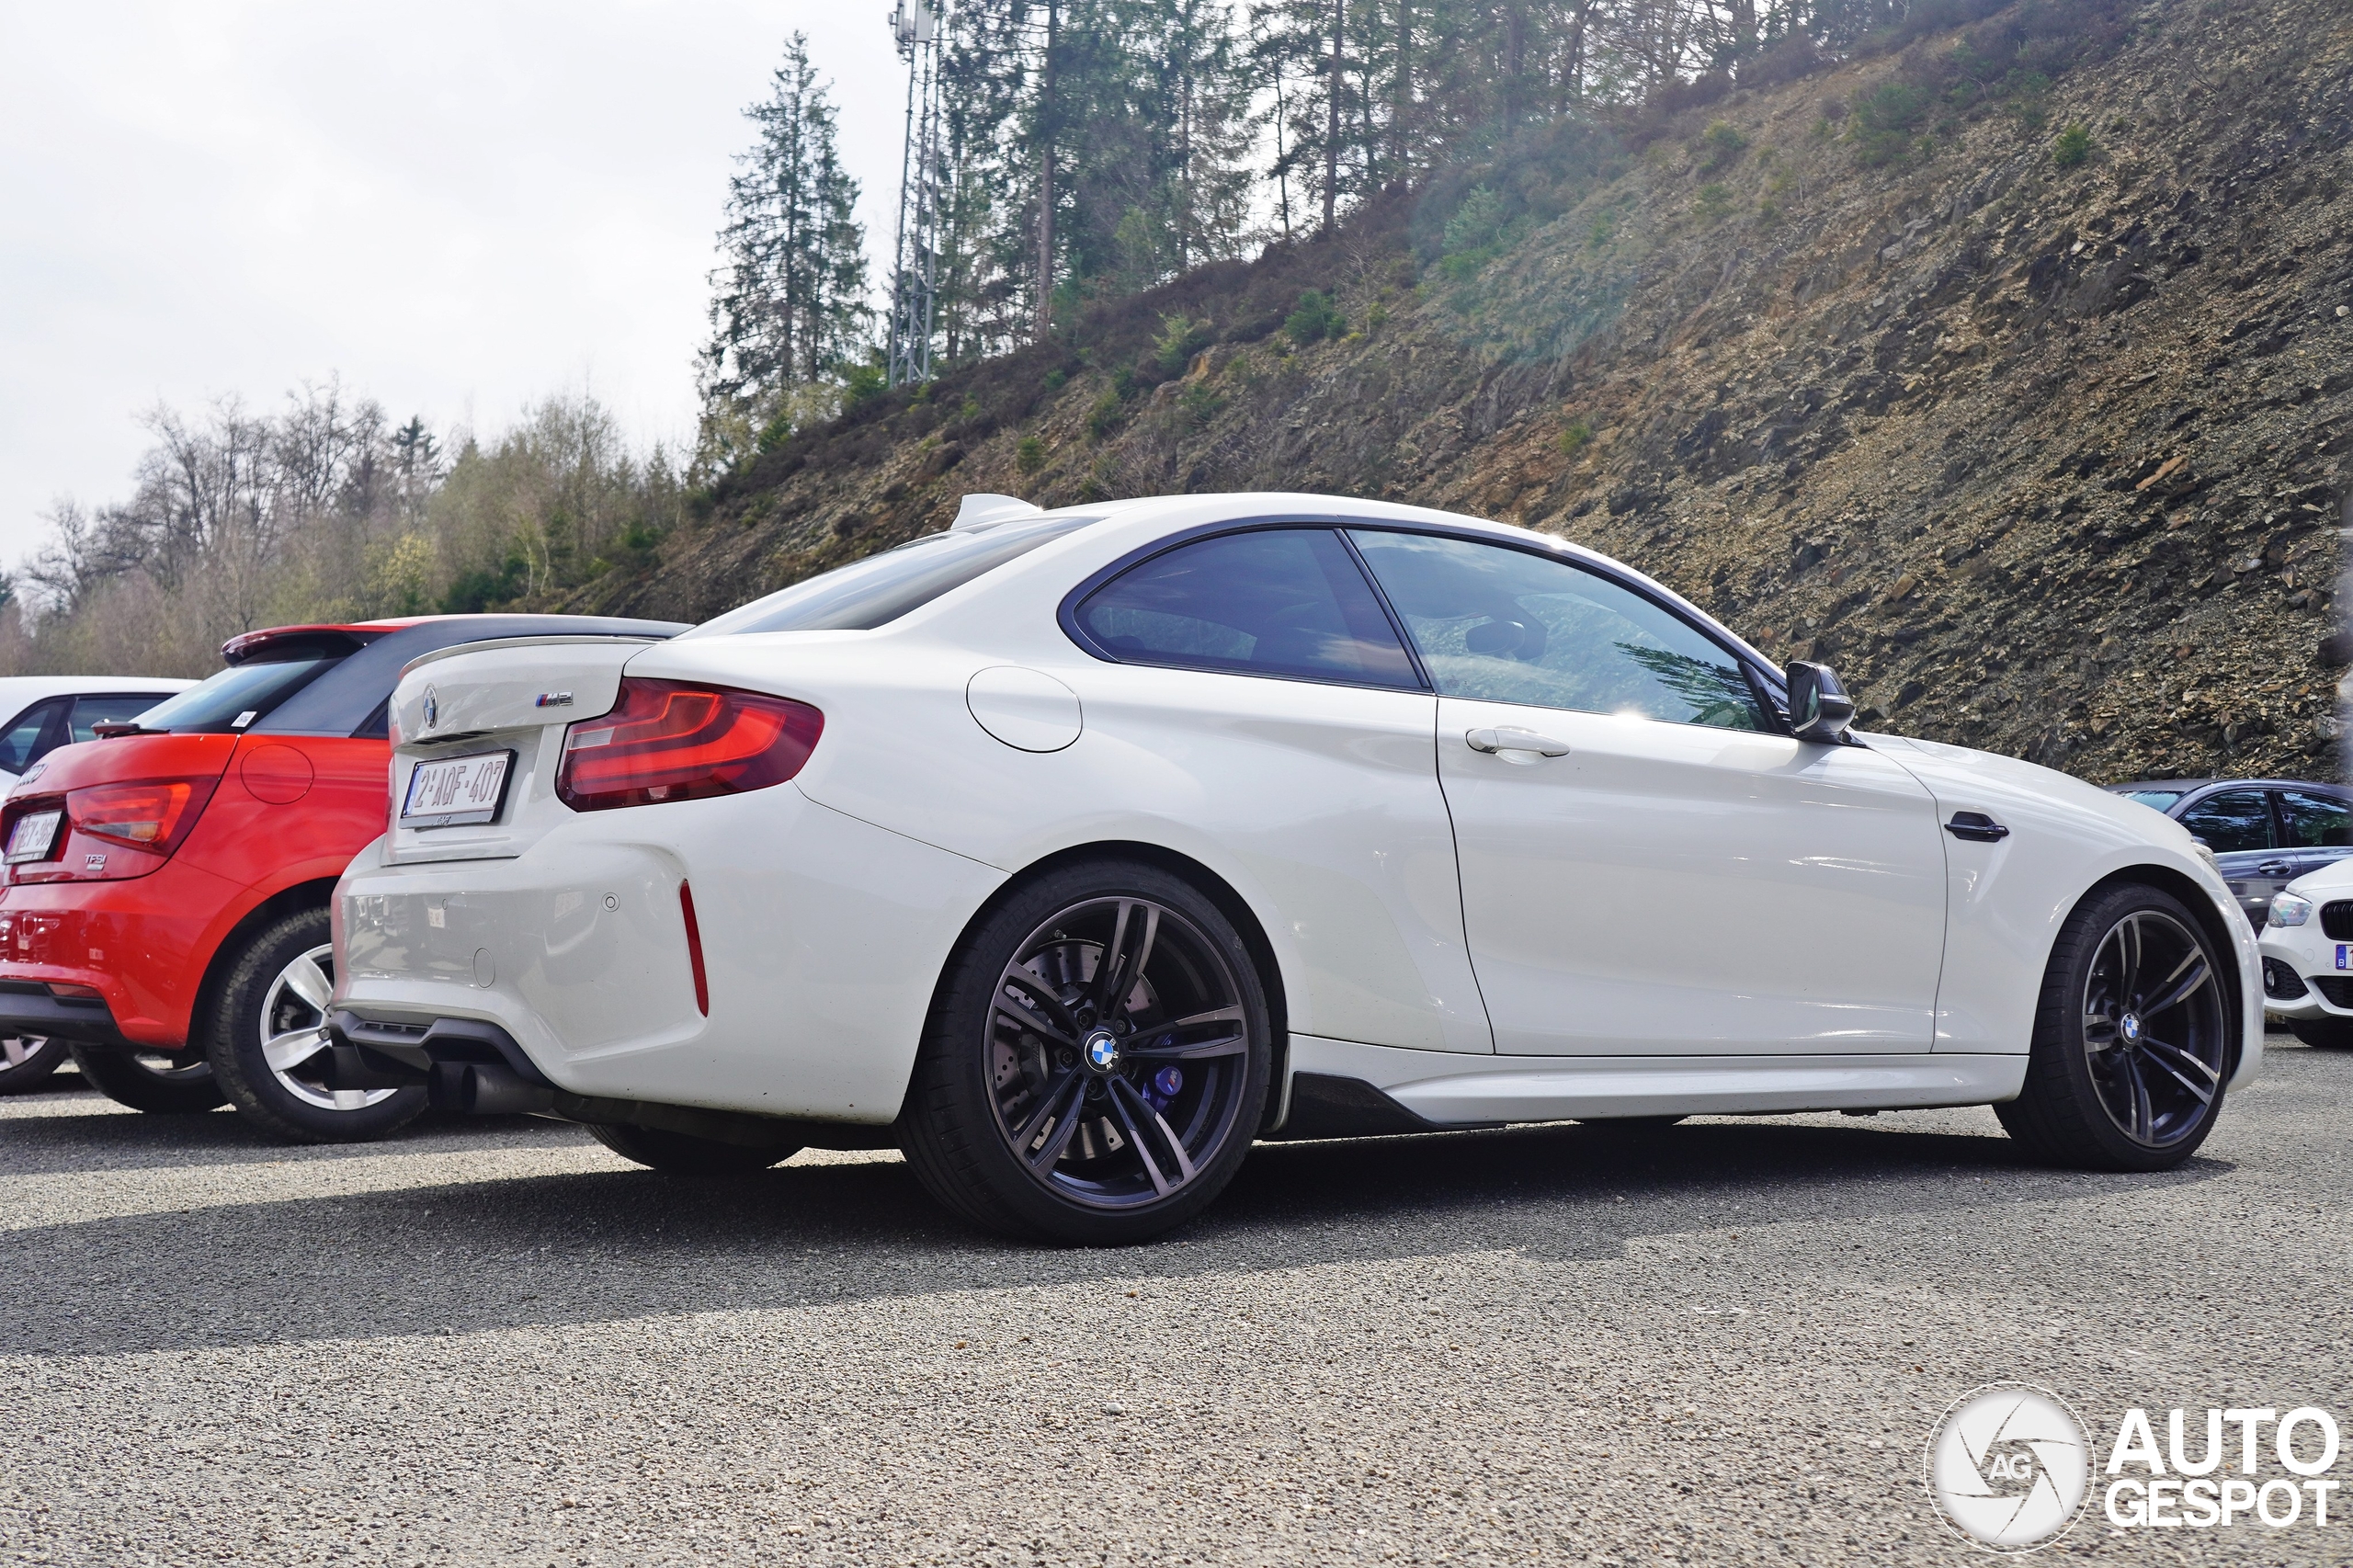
[31, 735]
[1252, 681]
[2235, 823]
[2315, 828]
[1650, 867]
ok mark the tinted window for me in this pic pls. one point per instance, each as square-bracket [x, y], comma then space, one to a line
[1504, 625]
[89, 711]
[21, 745]
[2238, 820]
[2316, 822]
[878, 590]
[2157, 800]
[1278, 602]
[214, 705]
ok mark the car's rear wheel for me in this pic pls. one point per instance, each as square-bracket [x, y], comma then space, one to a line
[2329, 1034]
[1095, 1070]
[2133, 1039]
[166, 1082]
[683, 1154]
[268, 1042]
[26, 1061]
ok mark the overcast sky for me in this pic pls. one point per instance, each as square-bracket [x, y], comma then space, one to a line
[456, 208]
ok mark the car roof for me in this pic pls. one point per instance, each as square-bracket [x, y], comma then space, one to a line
[2196, 786]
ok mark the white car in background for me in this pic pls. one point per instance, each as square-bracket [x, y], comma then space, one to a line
[1071, 851]
[38, 714]
[2307, 953]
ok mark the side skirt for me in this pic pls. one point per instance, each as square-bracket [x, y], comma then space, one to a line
[1444, 1090]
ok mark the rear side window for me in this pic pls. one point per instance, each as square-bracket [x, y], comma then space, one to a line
[878, 590]
[92, 711]
[2315, 821]
[2231, 823]
[1501, 625]
[1288, 602]
[242, 692]
[21, 745]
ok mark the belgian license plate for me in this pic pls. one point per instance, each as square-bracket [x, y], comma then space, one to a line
[453, 791]
[34, 836]
[2344, 950]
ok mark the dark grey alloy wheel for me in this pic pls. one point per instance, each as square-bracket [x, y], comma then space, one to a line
[2134, 1041]
[1100, 1067]
[27, 1061]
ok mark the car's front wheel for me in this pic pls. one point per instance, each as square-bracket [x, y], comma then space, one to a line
[2133, 1039]
[166, 1082]
[26, 1061]
[266, 1038]
[1095, 1070]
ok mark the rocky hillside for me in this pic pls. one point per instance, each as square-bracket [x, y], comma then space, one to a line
[2027, 405]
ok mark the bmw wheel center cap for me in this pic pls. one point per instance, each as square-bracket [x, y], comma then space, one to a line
[2129, 1026]
[1102, 1050]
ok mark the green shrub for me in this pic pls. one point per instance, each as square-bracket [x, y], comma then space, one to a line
[1104, 417]
[1030, 455]
[1574, 439]
[1713, 204]
[1883, 121]
[2071, 146]
[1180, 338]
[1603, 230]
[1316, 319]
[1055, 380]
[1201, 401]
[1720, 145]
[865, 383]
[1377, 317]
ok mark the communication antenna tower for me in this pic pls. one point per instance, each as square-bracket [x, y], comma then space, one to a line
[914, 27]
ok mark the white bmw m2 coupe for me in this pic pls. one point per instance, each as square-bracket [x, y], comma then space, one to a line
[1071, 851]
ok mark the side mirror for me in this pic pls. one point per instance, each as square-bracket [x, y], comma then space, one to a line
[1820, 709]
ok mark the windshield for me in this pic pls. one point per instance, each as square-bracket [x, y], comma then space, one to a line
[878, 590]
[2162, 799]
[242, 692]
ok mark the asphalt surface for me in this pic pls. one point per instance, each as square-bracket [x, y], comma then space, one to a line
[1723, 1343]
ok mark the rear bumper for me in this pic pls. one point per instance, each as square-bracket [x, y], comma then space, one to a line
[28, 1008]
[823, 937]
[141, 943]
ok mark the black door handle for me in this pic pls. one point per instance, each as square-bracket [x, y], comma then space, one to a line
[1976, 827]
[2273, 868]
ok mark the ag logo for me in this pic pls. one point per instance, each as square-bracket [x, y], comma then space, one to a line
[2009, 1466]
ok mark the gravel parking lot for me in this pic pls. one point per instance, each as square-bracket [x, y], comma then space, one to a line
[1723, 1342]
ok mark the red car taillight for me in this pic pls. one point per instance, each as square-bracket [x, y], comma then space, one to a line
[665, 741]
[153, 816]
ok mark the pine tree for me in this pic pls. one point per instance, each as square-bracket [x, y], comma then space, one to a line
[789, 312]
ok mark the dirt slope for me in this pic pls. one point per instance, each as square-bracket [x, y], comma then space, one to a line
[2046, 459]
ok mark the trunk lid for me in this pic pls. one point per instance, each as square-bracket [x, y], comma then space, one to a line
[74, 856]
[516, 697]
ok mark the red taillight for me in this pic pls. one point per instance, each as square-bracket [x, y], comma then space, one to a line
[153, 816]
[663, 741]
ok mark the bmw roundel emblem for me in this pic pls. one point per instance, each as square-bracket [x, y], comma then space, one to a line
[432, 708]
[1102, 1050]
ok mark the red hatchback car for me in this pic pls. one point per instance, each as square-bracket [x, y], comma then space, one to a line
[166, 886]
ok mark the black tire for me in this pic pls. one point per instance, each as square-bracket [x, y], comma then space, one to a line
[26, 1061]
[1001, 1066]
[272, 1001]
[682, 1154]
[2325, 1034]
[2134, 1037]
[165, 1084]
